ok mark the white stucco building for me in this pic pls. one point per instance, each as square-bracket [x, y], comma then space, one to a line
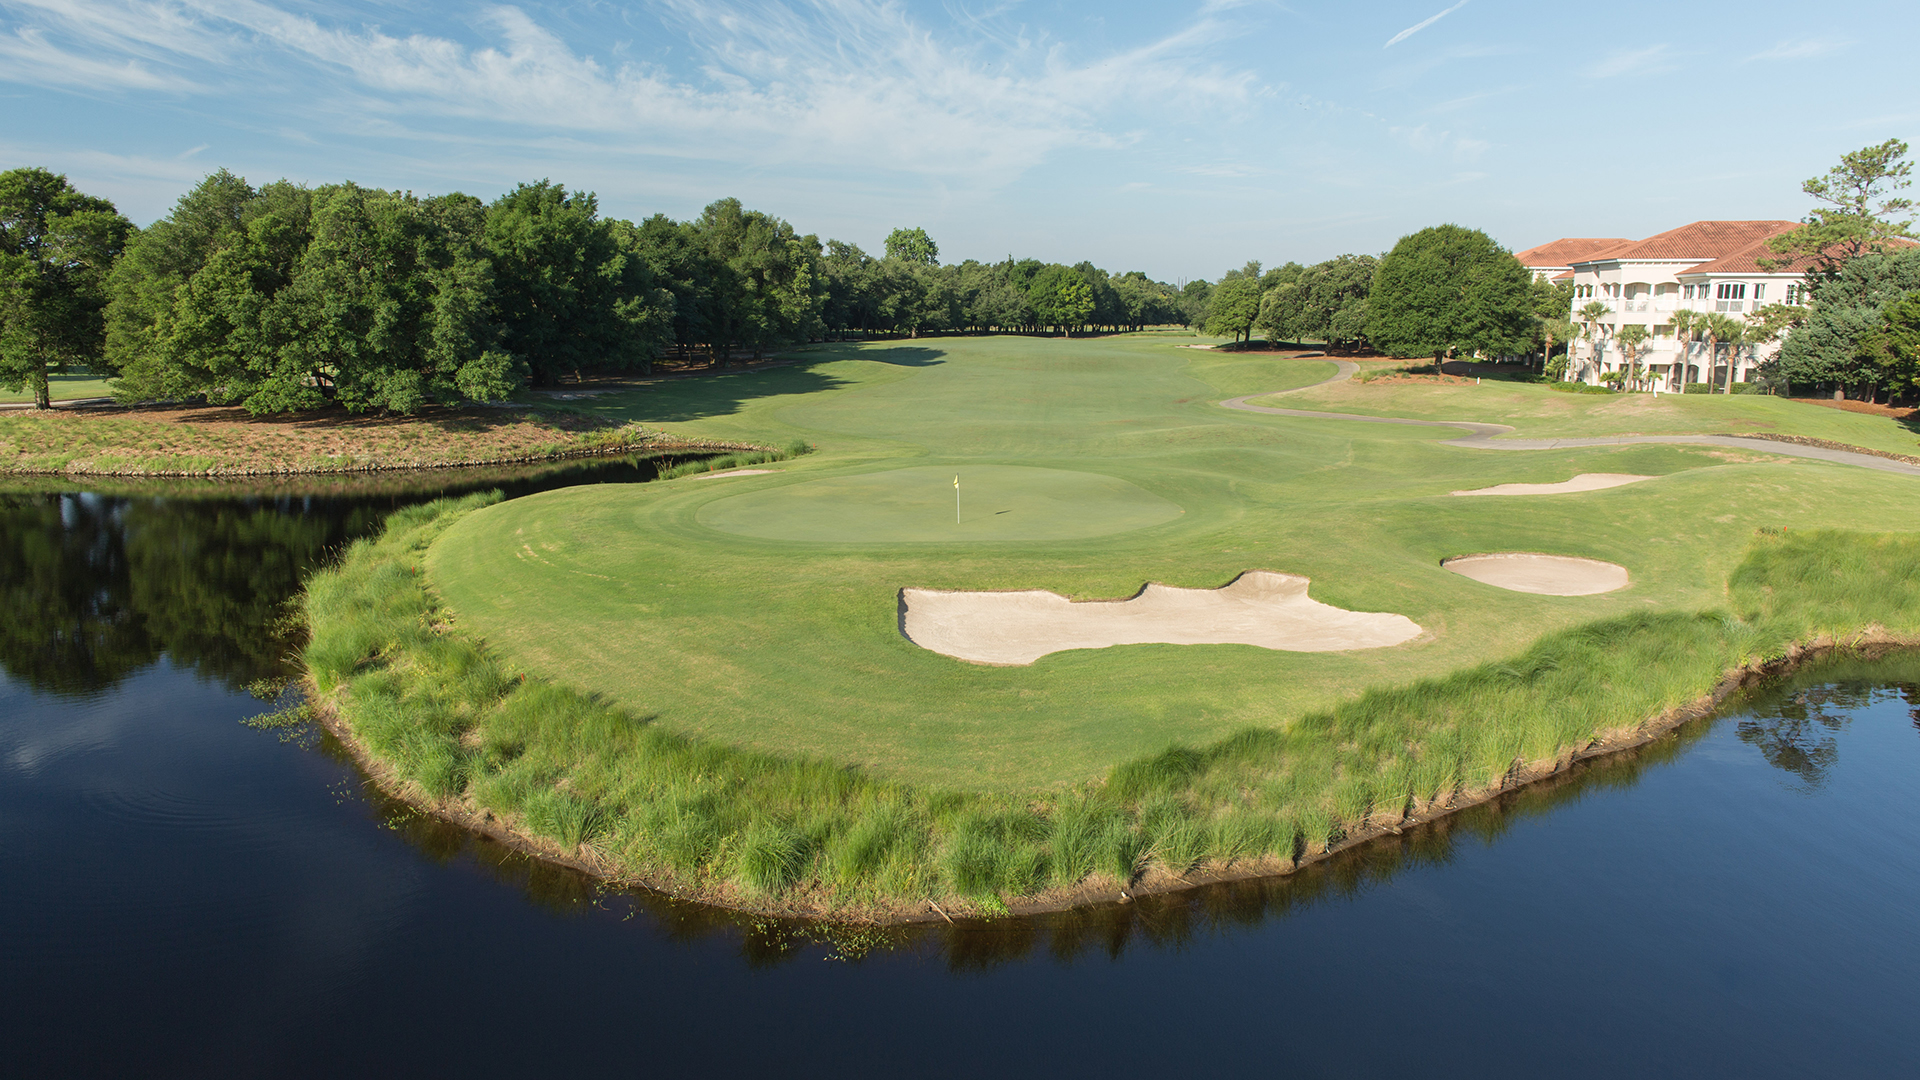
[1706, 266]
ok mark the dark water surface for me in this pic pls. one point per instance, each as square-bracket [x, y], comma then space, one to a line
[182, 894]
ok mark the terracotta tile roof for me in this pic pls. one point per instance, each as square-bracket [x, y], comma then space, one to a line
[1747, 261]
[1703, 240]
[1564, 275]
[1566, 250]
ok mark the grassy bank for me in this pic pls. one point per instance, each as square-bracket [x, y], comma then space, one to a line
[1537, 411]
[453, 725]
[211, 441]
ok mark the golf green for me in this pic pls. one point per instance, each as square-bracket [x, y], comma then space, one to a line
[990, 502]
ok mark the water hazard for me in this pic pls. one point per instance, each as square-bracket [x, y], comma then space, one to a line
[187, 895]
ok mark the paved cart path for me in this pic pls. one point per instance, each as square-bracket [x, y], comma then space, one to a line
[1482, 436]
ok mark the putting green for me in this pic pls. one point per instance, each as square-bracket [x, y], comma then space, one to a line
[996, 502]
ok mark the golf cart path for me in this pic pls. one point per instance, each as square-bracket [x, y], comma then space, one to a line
[1481, 436]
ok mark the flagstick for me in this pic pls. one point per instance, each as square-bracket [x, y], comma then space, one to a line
[956, 500]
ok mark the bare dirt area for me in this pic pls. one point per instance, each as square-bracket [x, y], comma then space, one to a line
[1259, 608]
[1449, 373]
[212, 440]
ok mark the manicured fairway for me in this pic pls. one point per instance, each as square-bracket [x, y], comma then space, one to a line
[63, 388]
[763, 611]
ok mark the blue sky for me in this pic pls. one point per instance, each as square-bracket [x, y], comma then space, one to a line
[1180, 139]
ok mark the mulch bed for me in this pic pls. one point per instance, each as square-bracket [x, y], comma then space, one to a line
[1897, 412]
[1824, 444]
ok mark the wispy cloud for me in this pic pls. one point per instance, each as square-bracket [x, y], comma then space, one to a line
[1422, 25]
[1633, 62]
[772, 82]
[1804, 49]
[1424, 139]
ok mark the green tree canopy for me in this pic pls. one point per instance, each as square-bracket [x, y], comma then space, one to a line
[57, 247]
[1842, 342]
[370, 299]
[1449, 288]
[767, 288]
[567, 293]
[1060, 297]
[1233, 307]
[913, 246]
[1325, 302]
[1862, 214]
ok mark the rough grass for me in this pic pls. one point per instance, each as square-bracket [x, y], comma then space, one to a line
[458, 724]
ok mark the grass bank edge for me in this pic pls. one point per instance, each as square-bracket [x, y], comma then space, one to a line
[454, 728]
[612, 443]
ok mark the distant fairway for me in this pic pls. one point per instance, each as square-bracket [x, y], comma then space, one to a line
[992, 502]
[763, 611]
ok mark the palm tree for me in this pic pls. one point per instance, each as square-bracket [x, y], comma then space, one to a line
[1590, 317]
[1556, 329]
[1721, 330]
[1687, 324]
[1632, 337]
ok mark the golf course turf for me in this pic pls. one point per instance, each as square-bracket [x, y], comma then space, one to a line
[757, 619]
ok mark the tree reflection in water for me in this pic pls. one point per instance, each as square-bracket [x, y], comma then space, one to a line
[1795, 722]
[96, 585]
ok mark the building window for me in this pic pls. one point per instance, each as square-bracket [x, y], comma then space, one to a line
[1793, 294]
[1732, 291]
[1760, 292]
[1686, 292]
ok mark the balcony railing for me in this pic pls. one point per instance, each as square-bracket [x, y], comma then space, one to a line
[1729, 305]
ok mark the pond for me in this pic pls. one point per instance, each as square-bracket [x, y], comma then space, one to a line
[186, 894]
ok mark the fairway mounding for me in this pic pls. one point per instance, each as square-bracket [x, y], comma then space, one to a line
[1481, 436]
[996, 502]
[1590, 481]
[1259, 608]
[1547, 575]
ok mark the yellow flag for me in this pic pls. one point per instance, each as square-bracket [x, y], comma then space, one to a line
[956, 481]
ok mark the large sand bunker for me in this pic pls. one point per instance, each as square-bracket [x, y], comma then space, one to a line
[1548, 575]
[1257, 608]
[1586, 481]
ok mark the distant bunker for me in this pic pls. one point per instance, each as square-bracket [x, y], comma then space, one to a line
[1592, 481]
[1259, 608]
[995, 502]
[1548, 575]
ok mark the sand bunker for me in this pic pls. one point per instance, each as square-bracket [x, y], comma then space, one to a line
[1257, 608]
[1589, 481]
[1549, 575]
[743, 472]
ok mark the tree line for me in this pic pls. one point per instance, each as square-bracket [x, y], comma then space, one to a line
[1442, 291]
[284, 297]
